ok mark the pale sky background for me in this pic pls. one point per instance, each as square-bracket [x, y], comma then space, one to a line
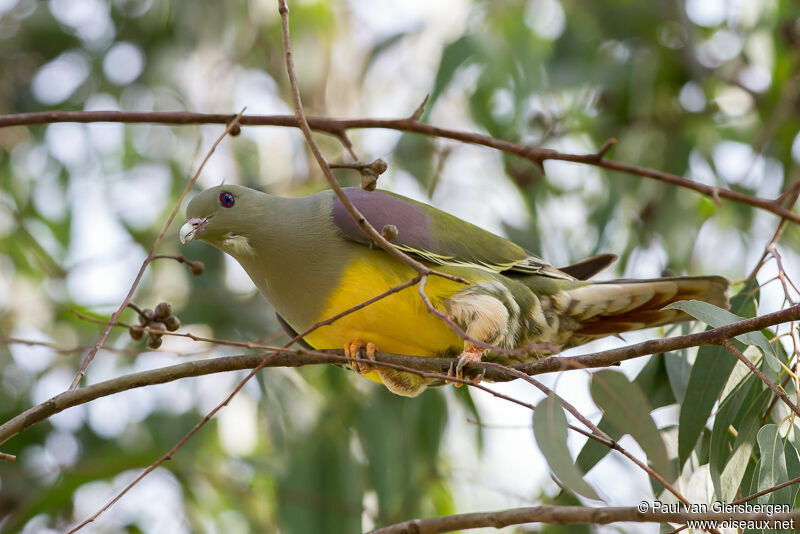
[510, 470]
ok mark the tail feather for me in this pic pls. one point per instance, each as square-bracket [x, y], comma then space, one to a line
[607, 308]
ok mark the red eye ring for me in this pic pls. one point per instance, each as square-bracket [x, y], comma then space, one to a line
[226, 199]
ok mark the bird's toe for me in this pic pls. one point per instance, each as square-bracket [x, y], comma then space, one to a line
[351, 350]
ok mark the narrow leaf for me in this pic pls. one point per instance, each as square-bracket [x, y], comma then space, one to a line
[773, 465]
[628, 409]
[734, 471]
[792, 467]
[651, 379]
[550, 430]
[715, 316]
[678, 368]
[746, 398]
[710, 372]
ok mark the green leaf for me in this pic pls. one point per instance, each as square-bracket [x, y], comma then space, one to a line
[710, 372]
[381, 47]
[550, 430]
[454, 56]
[401, 463]
[628, 409]
[715, 317]
[792, 467]
[678, 370]
[722, 440]
[736, 466]
[652, 379]
[414, 153]
[772, 470]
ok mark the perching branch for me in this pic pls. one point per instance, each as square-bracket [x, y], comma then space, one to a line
[561, 515]
[714, 336]
[285, 357]
[339, 128]
[411, 124]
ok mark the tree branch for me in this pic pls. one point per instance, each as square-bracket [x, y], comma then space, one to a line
[339, 127]
[713, 336]
[434, 367]
[574, 514]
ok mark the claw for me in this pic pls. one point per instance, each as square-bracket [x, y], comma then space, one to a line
[470, 354]
[478, 378]
[351, 349]
[451, 373]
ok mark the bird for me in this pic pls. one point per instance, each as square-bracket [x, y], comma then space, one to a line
[310, 259]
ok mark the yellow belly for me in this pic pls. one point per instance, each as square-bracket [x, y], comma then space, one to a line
[399, 323]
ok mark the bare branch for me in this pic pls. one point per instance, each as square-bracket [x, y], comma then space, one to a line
[430, 367]
[420, 109]
[370, 172]
[608, 145]
[302, 122]
[574, 514]
[713, 336]
[339, 127]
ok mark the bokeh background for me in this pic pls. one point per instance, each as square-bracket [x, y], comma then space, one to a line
[707, 89]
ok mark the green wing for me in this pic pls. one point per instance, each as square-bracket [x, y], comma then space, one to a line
[438, 237]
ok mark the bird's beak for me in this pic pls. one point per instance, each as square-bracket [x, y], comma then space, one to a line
[192, 229]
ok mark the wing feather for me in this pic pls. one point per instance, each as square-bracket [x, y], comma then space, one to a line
[438, 237]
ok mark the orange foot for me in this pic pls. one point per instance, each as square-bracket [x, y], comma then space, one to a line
[351, 349]
[471, 353]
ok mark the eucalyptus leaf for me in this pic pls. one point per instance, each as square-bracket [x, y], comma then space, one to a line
[772, 465]
[550, 430]
[723, 439]
[652, 380]
[710, 372]
[628, 410]
[715, 317]
[736, 466]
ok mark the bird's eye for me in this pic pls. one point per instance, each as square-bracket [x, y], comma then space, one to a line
[226, 199]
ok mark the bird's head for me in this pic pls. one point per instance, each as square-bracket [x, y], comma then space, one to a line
[224, 216]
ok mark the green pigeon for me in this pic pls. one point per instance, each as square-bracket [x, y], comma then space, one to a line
[311, 261]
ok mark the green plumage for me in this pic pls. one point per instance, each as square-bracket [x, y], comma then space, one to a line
[309, 258]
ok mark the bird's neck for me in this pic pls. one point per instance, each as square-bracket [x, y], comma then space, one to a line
[296, 255]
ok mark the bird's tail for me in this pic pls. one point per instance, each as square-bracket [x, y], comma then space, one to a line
[607, 308]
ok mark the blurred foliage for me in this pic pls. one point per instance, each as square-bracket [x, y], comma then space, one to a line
[709, 93]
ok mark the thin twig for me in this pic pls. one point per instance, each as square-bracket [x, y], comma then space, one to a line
[66, 350]
[354, 212]
[114, 316]
[756, 371]
[264, 360]
[603, 437]
[787, 199]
